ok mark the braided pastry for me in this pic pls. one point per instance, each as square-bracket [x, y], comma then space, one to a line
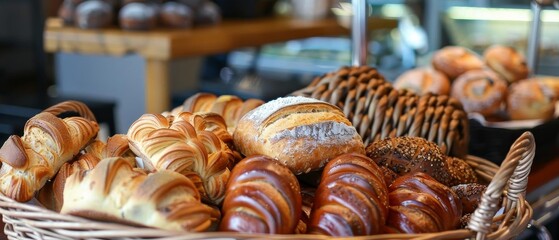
[420, 204]
[230, 107]
[180, 144]
[262, 196]
[379, 111]
[114, 191]
[351, 199]
[47, 143]
[116, 146]
[405, 155]
[207, 121]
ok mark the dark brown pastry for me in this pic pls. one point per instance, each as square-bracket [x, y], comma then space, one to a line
[351, 199]
[67, 11]
[470, 195]
[453, 61]
[507, 62]
[176, 15]
[138, 16]
[262, 196]
[93, 14]
[460, 171]
[420, 204]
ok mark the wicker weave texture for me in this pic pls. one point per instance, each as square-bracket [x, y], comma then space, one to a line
[507, 182]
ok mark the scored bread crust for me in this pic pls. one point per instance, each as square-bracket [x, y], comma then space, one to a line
[299, 132]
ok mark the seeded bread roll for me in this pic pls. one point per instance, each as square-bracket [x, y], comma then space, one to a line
[469, 195]
[301, 133]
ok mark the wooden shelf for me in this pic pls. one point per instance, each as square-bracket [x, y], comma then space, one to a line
[164, 44]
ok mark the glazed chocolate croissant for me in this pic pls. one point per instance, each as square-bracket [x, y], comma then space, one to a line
[114, 191]
[47, 143]
[262, 196]
[420, 204]
[174, 143]
[351, 200]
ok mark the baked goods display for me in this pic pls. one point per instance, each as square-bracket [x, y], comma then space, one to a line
[351, 200]
[263, 196]
[378, 110]
[139, 15]
[480, 91]
[484, 84]
[174, 143]
[531, 99]
[301, 133]
[115, 191]
[422, 81]
[230, 107]
[47, 143]
[453, 61]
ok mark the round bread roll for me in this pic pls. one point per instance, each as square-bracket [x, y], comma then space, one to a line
[93, 14]
[507, 62]
[422, 81]
[481, 91]
[530, 99]
[550, 82]
[453, 61]
[137, 16]
[302, 133]
[176, 15]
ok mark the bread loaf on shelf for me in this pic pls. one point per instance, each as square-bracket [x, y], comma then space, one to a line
[181, 144]
[351, 200]
[301, 133]
[262, 196]
[114, 191]
[405, 155]
[420, 204]
[116, 146]
[47, 143]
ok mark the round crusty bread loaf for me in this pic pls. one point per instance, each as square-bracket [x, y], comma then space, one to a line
[301, 133]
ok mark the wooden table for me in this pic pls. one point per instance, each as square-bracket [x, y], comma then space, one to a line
[160, 46]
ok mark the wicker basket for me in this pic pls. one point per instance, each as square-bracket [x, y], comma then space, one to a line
[506, 191]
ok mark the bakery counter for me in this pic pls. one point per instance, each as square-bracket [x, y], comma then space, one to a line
[143, 65]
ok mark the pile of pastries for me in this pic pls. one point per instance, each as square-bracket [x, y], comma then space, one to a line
[219, 163]
[495, 85]
[139, 15]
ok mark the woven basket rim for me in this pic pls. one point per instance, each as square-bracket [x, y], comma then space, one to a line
[32, 221]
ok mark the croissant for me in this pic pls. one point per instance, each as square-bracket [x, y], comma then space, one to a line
[47, 143]
[420, 204]
[262, 196]
[351, 200]
[116, 146]
[114, 191]
[175, 143]
[207, 121]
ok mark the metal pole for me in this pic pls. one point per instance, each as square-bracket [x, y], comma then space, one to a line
[534, 37]
[359, 32]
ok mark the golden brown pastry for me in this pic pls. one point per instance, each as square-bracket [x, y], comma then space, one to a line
[420, 204]
[301, 133]
[114, 191]
[230, 107]
[454, 61]
[47, 143]
[531, 99]
[422, 81]
[207, 121]
[262, 196]
[469, 195]
[480, 91]
[116, 146]
[351, 200]
[405, 155]
[175, 143]
[551, 82]
[507, 62]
